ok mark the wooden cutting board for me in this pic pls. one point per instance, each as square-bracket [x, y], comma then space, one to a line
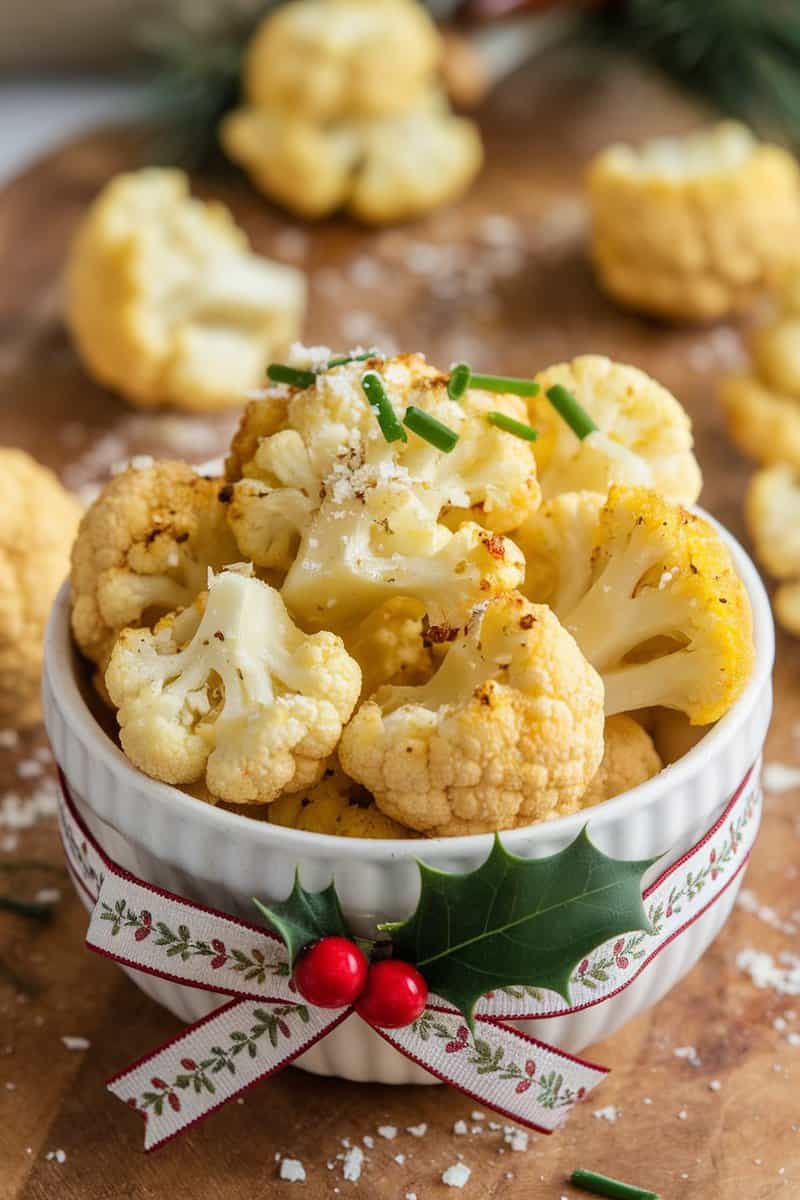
[502, 281]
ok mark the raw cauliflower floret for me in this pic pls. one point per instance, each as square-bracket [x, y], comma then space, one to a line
[336, 805]
[643, 436]
[629, 758]
[507, 732]
[231, 691]
[328, 59]
[380, 169]
[165, 300]
[284, 461]
[143, 549]
[765, 425]
[38, 520]
[690, 228]
[772, 510]
[377, 536]
[650, 594]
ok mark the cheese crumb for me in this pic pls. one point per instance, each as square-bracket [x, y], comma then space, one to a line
[388, 1131]
[417, 1131]
[609, 1113]
[715, 1085]
[517, 1139]
[76, 1043]
[683, 1115]
[456, 1176]
[689, 1053]
[460, 1129]
[780, 777]
[292, 1170]
[765, 972]
[353, 1162]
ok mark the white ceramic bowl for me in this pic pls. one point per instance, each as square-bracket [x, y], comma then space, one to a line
[222, 859]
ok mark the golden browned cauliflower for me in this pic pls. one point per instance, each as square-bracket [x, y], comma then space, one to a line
[650, 594]
[765, 425]
[290, 453]
[395, 644]
[507, 732]
[772, 510]
[629, 758]
[38, 520]
[380, 169]
[643, 435]
[166, 302]
[337, 805]
[689, 228]
[143, 549]
[329, 59]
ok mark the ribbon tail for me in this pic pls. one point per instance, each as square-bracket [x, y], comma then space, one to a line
[521, 1078]
[215, 1060]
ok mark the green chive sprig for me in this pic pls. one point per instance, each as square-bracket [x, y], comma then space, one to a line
[429, 429]
[348, 358]
[459, 380]
[381, 405]
[506, 384]
[509, 425]
[570, 411]
[603, 1185]
[26, 908]
[281, 373]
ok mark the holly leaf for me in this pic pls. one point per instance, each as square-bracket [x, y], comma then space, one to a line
[305, 917]
[518, 922]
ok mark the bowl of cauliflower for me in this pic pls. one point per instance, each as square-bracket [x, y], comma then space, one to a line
[417, 609]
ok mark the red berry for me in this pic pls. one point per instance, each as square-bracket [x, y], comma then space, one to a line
[395, 995]
[331, 973]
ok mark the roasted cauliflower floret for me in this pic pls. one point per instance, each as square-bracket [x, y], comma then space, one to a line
[282, 465]
[38, 520]
[772, 510]
[380, 169]
[231, 691]
[336, 805]
[377, 536]
[395, 644]
[690, 228]
[650, 595]
[144, 549]
[507, 732]
[775, 348]
[765, 425]
[629, 758]
[328, 59]
[166, 302]
[643, 436]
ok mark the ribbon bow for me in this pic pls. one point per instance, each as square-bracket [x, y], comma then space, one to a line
[265, 1025]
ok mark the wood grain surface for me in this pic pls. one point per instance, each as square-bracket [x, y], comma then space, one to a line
[508, 294]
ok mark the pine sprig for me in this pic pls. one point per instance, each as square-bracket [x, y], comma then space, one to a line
[742, 55]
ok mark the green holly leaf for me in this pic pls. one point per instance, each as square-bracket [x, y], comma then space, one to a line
[305, 917]
[518, 922]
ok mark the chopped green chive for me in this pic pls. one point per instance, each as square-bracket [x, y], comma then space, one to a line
[381, 405]
[429, 429]
[518, 428]
[280, 373]
[26, 908]
[348, 358]
[506, 384]
[570, 411]
[602, 1185]
[459, 379]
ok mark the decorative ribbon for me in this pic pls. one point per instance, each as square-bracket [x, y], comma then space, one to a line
[264, 1025]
